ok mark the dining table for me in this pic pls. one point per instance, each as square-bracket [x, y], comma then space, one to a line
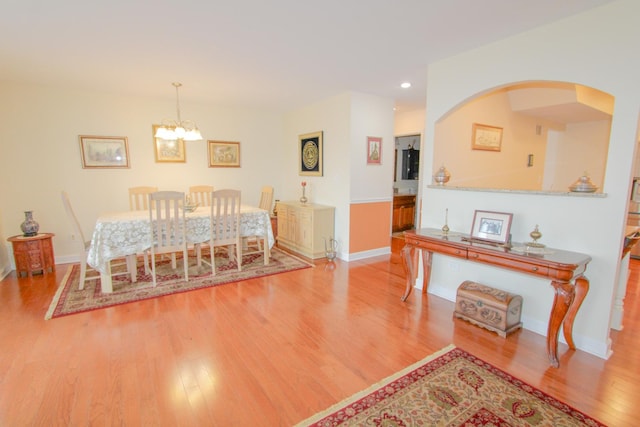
[121, 234]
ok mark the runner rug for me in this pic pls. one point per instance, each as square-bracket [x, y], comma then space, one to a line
[70, 300]
[451, 388]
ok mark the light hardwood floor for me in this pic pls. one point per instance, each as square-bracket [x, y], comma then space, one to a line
[269, 352]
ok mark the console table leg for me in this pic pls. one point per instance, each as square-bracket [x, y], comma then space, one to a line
[564, 296]
[408, 264]
[581, 289]
[426, 269]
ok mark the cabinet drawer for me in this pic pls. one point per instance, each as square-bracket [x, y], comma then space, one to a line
[525, 267]
[399, 201]
[438, 248]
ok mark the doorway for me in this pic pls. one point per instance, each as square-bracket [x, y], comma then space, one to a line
[405, 183]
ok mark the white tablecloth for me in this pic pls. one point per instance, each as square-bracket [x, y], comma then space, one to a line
[119, 234]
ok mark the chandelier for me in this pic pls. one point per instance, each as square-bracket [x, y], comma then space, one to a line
[178, 129]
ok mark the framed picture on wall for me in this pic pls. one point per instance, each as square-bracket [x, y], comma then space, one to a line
[104, 152]
[486, 137]
[168, 150]
[224, 154]
[310, 154]
[374, 150]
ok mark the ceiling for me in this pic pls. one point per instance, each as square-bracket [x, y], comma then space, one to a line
[279, 54]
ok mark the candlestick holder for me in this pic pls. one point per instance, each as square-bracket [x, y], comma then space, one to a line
[445, 227]
[535, 235]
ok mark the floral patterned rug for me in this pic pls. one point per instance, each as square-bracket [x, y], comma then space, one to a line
[451, 388]
[70, 300]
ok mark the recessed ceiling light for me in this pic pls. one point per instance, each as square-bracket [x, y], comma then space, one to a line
[405, 85]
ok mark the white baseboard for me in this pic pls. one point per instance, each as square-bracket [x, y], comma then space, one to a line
[367, 254]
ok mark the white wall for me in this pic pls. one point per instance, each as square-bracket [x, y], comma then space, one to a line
[346, 120]
[597, 49]
[371, 116]
[40, 155]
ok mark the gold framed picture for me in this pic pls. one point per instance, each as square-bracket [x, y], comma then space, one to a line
[224, 154]
[310, 154]
[486, 137]
[104, 152]
[168, 151]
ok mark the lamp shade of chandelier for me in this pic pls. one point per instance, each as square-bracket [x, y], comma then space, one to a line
[178, 129]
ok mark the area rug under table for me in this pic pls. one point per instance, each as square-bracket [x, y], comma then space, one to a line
[70, 300]
[451, 388]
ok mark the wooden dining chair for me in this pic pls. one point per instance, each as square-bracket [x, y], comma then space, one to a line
[167, 229]
[200, 194]
[139, 196]
[253, 244]
[225, 225]
[82, 247]
[266, 198]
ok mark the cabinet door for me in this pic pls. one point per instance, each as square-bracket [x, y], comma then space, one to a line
[305, 230]
[293, 226]
[283, 223]
[406, 217]
[397, 219]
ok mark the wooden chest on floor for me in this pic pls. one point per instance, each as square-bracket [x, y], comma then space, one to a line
[490, 308]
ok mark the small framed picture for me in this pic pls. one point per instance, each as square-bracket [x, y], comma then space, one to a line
[168, 150]
[486, 137]
[491, 226]
[310, 154]
[103, 152]
[224, 154]
[374, 150]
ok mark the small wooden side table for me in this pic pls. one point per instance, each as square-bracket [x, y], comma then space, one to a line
[33, 254]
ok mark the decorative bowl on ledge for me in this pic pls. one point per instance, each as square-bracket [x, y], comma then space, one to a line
[442, 176]
[583, 185]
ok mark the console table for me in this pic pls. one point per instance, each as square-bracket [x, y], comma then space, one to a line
[565, 270]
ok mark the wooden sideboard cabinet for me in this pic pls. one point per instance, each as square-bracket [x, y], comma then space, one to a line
[404, 211]
[304, 228]
[33, 253]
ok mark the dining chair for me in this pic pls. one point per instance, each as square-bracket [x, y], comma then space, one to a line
[256, 242]
[139, 197]
[167, 229]
[266, 198]
[200, 194]
[225, 225]
[83, 249]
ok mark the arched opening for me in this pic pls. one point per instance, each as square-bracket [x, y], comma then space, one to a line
[531, 136]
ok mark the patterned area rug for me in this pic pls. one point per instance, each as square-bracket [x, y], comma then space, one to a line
[70, 300]
[451, 388]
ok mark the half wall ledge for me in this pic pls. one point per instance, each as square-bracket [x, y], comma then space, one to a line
[539, 192]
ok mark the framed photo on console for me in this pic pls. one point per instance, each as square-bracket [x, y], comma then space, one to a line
[491, 227]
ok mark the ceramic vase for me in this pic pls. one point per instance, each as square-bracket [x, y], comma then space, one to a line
[29, 227]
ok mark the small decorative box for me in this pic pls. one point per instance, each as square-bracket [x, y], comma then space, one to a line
[490, 308]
